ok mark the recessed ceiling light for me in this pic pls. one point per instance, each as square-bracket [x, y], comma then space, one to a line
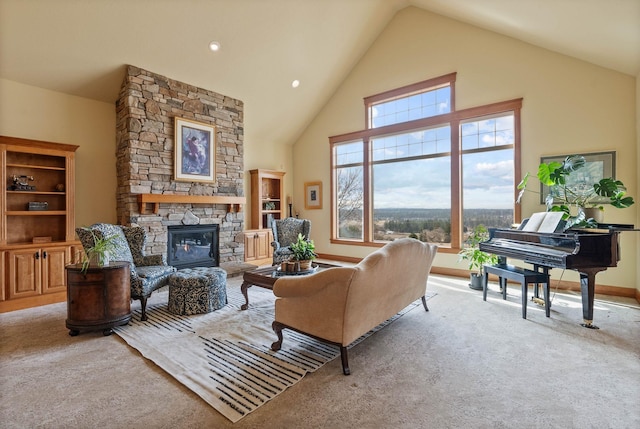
[295, 83]
[214, 46]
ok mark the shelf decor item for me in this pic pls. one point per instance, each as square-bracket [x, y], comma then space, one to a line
[195, 151]
[20, 183]
[37, 205]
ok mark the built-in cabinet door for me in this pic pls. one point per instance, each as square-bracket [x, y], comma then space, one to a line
[263, 244]
[54, 260]
[249, 246]
[3, 276]
[257, 244]
[37, 271]
[24, 273]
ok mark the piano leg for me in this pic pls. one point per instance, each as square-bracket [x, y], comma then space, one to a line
[588, 291]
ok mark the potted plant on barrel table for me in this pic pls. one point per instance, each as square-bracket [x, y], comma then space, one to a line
[476, 257]
[303, 252]
[98, 253]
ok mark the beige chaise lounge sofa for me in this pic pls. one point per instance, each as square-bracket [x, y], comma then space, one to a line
[338, 305]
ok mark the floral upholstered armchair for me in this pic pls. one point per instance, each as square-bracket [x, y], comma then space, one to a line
[285, 233]
[148, 272]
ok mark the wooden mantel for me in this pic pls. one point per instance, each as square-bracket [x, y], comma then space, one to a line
[233, 203]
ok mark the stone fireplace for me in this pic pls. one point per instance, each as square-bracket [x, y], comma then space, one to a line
[145, 111]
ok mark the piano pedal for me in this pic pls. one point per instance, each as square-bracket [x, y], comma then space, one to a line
[538, 301]
[589, 324]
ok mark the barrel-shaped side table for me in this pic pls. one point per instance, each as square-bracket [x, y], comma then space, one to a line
[99, 298]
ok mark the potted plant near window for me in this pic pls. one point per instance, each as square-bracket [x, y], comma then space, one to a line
[587, 201]
[476, 257]
[303, 252]
[98, 254]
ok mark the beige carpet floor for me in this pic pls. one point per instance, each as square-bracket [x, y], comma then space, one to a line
[465, 364]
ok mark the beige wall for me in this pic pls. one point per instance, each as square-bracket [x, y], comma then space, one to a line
[35, 113]
[637, 185]
[569, 106]
[268, 155]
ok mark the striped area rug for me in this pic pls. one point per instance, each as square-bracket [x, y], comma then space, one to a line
[225, 356]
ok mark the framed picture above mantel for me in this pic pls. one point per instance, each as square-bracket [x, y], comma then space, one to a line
[195, 151]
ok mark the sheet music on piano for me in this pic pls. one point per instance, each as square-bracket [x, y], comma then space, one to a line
[546, 222]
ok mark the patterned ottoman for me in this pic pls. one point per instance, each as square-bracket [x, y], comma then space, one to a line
[197, 290]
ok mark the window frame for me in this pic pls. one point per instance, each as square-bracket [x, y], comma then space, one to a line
[454, 119]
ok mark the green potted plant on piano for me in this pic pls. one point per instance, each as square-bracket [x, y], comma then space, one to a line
[477, 258]
[585, 200]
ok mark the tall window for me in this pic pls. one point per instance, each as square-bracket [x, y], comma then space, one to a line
[424, 170]
[349, 191]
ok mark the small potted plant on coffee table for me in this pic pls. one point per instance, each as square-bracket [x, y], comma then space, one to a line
[303, 252]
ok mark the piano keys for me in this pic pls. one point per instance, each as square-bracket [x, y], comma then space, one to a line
[587, 251]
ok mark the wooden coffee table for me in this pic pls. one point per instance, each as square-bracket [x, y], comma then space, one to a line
[266, 277]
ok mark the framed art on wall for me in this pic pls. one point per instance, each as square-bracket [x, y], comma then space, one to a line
[313, 195]
[195, 151]
[598, 165]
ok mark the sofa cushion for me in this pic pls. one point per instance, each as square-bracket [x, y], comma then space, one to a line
[152, 272]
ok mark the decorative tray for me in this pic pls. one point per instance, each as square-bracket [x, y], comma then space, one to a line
[279, 273]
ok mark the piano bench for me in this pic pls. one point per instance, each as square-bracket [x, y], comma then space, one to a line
[524, 277]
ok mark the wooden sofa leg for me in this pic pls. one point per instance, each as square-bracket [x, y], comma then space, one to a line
[345, 360]
[277, 328]
[143, 305]
[424, 303]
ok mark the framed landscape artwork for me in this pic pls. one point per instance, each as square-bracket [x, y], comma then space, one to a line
[598, 165]
[313, 195]
[195, 151]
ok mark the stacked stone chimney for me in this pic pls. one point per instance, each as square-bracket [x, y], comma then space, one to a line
[146, 110]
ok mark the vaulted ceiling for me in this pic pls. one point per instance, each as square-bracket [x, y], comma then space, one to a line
[81, 47]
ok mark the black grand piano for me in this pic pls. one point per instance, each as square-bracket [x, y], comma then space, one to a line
[587, 251]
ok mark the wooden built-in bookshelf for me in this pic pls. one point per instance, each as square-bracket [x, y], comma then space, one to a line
[36, 242]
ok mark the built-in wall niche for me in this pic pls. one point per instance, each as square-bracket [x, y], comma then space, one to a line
[37, 193]
[267, 197]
